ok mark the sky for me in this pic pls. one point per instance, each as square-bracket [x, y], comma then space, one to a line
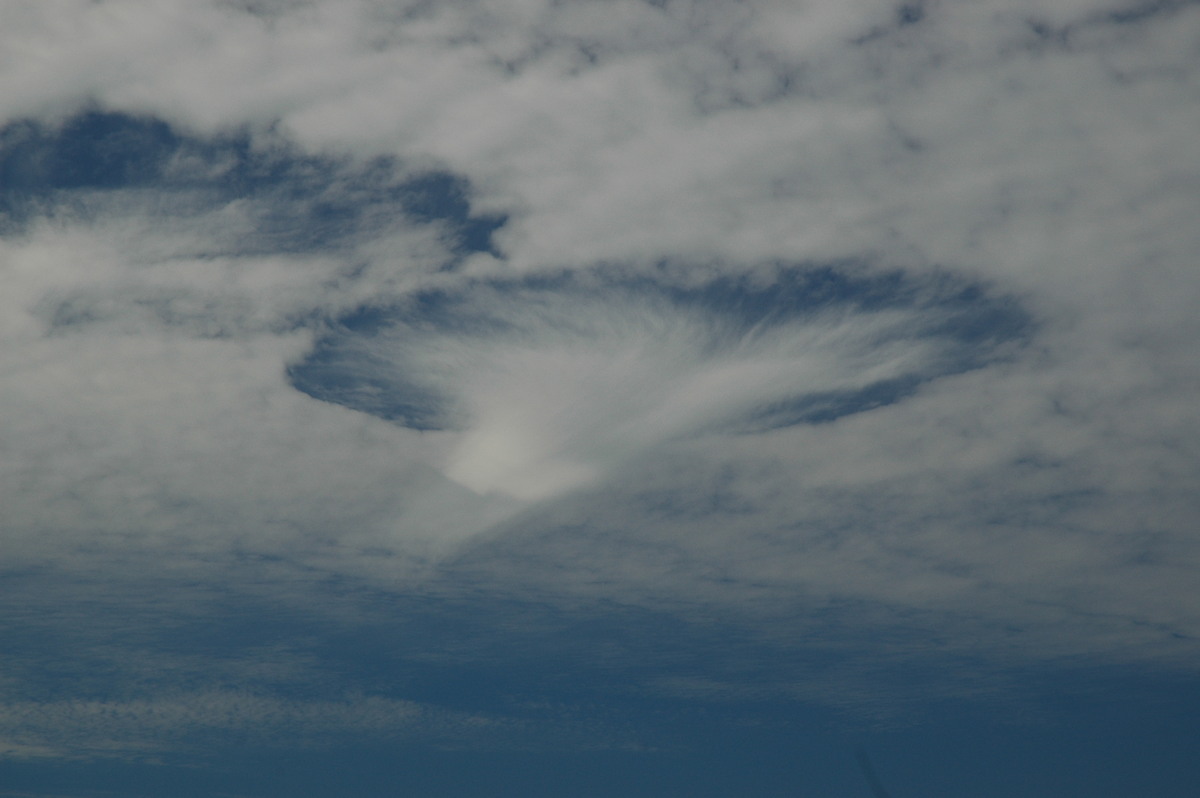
[648, 398]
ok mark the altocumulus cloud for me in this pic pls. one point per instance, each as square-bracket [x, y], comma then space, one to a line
[800, 314]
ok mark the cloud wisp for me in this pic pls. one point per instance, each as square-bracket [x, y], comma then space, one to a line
[547, 385]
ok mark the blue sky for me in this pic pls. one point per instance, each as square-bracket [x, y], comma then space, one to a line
[599, 398]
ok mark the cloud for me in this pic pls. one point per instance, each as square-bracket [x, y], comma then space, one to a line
[553, 384]
[146, 728]
[751, 310]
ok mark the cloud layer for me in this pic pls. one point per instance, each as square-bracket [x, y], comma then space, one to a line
[772, 312]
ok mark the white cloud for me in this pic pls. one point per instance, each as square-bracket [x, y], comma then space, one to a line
[1051, 165]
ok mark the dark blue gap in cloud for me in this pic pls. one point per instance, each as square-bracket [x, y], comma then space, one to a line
[971, 325]
[1136, 13]
[306, 202]
[910, 13]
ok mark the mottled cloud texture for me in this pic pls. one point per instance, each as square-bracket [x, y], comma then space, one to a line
[804, 315]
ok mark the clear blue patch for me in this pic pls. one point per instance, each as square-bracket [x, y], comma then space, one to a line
[308, 203]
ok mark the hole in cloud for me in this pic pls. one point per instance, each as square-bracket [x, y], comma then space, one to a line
[218, 236]
[910, 13]
[301, 203]
[547, 384]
